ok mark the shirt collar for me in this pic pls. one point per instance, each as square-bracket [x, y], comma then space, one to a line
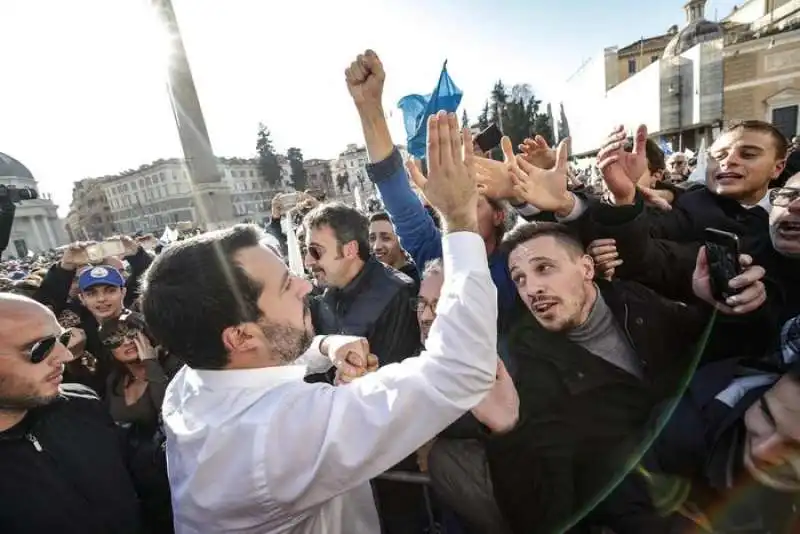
[265, 378]
[764, 203]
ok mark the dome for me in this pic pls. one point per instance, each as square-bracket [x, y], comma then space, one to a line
[11, 167]
[694, 33]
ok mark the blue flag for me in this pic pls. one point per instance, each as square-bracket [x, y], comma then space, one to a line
[417, 108]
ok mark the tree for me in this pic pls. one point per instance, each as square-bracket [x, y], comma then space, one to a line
[464, 119]
[268, 164]
[483, 118]
[498, 98]
[295, 157]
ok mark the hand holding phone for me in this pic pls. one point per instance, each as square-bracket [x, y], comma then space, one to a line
[722, 253]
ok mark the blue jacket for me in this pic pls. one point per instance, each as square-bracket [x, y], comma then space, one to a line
[418, 234]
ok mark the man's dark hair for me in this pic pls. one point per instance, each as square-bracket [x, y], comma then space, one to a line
[379, 216]
[348, 224]
[524, 233]
[655, 157]
[195, 289]
[781, 143]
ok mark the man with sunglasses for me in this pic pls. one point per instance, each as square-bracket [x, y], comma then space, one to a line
[62, 464]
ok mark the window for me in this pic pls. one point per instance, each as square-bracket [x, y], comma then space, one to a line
[632, 65]
[653, 59]
[251, 174]
[785, 119]
[161, 176]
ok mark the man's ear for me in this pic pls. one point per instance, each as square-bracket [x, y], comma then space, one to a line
[587, 265]
[240, 338]
[351, 250]
[80, 297]
[123, 290]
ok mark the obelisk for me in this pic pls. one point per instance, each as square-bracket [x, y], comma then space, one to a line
[212, 198]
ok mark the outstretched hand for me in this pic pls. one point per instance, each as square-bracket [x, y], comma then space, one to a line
[622, 170]
[451, 187]
[546, 189]
[538, 153]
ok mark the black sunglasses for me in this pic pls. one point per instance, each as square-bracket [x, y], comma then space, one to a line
[42, 348]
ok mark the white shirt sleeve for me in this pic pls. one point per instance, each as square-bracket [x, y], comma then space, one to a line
[313, 359]
[352, 433]
[528, 210]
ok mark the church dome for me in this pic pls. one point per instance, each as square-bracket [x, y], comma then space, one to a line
[13, 168]
[697, 30]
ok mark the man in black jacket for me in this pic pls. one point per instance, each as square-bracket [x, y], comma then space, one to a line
[62, 462]
[363, 297]
[594, 359]
[732, 443]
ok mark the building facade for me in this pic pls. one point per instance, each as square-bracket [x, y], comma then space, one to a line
[349, 171]
[36, 226]
[89, 217]
[678, 96]
[161, 194]
[762, 64]
[319, 176]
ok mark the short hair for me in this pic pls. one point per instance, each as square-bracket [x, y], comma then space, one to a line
[655, 157]
[780, 141]
[434, 266]
[379, 216]
[525, 232]
[195, 289]
[348, 224]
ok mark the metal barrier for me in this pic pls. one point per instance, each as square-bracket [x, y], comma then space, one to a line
[423, 480]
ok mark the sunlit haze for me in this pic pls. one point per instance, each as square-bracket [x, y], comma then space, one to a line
[82, 90]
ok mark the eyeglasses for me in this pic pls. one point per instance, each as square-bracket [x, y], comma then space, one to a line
[784, 196]
[42, 348]
[421, 305]
[315, 252]
[118, 338]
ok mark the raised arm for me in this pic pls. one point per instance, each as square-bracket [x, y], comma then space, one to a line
[368, 426]
[416, 230]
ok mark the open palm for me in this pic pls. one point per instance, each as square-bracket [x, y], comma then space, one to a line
[546, 189]
[622, 170]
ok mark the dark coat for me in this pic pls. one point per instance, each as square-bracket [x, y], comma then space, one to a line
[378, 304]
[64, 471]
[577, 410]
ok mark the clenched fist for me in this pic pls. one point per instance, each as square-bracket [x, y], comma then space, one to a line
[365, 77]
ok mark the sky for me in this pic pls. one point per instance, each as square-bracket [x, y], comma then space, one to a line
[82, 82]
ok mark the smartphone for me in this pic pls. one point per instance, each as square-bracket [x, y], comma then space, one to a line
[489, 138]
[105, 249]
[722, 251]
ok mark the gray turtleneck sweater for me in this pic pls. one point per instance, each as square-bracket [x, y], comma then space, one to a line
[601, 335]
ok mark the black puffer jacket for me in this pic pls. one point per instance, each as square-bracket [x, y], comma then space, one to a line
[64, 470]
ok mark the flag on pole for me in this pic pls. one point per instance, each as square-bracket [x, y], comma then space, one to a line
[417, 108]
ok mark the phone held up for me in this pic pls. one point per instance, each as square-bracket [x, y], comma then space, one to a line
[722, 251]
[489, 138]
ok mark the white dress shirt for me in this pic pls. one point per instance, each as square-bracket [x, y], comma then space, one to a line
[261, 451]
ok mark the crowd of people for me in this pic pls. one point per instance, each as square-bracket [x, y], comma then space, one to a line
[495, 347]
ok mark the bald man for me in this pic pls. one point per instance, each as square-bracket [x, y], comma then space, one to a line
[63, 469]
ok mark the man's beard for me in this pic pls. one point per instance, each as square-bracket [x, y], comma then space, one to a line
[28, 402]
[287, 342]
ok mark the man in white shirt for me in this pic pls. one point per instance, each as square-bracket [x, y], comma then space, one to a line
[251, 447]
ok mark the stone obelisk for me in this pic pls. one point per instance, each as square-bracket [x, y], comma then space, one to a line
[212, 198]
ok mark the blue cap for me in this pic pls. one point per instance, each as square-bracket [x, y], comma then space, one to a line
[100, 275]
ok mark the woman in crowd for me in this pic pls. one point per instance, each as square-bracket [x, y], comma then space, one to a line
[134, 392]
